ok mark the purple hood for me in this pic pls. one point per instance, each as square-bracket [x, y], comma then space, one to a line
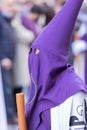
[52, 79]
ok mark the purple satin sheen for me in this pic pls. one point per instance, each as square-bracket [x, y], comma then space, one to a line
[53, 79]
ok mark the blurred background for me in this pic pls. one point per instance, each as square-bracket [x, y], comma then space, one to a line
[21, 21]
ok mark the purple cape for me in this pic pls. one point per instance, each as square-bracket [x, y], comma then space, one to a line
[52, 79]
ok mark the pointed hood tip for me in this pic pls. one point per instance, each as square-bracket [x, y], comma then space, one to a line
[57, 34]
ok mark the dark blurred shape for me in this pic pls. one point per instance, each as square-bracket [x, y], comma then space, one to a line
[15, 91]
[36, 9]
[48, 12]
[30, 21]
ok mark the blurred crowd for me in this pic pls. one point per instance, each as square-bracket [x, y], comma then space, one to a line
[21, 21]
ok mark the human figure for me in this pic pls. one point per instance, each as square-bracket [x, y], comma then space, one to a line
[57, 97]
[79, 48]
[7, 52]
[30, 21]
[24, 38]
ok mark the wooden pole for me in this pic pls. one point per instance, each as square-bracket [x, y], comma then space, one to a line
[21, 111]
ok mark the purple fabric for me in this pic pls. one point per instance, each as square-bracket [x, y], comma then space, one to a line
[45, 121]
[29, 24]
[84, 37]
[51, 78]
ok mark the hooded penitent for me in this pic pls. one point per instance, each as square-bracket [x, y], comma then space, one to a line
[52, 79]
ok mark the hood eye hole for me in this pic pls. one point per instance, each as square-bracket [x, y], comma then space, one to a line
[36, 51]
[30, 50]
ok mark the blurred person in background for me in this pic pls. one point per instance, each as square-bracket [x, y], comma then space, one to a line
[48, 13]
[7, 52]
[30, 21]
[22, 5]
[24, 38]
[78, 32]
[38, 17]
[79, 47]
[74, 37]
[54, 84]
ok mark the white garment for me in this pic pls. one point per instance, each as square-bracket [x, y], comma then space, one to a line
[79, 48]
[79, 65]
[3, 119]
[70, 115]
[24, 38]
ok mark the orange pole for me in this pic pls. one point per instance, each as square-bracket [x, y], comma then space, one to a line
[21, 111]
[76, 36]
